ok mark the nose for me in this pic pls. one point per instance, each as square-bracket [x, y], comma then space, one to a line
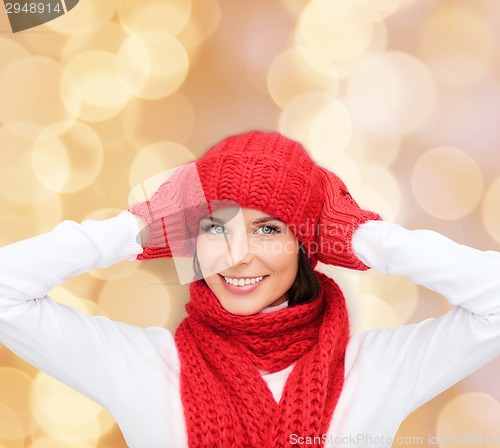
[247, 258]
[239, 248]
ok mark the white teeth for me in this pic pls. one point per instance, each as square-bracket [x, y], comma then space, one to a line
[243, 281]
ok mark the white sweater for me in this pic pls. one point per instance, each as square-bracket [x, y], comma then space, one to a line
[134, 372]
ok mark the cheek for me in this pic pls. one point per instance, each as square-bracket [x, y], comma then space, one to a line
[214, 283]
[282, 257]
[213, 256]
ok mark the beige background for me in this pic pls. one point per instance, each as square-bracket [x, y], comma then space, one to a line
[401, 98]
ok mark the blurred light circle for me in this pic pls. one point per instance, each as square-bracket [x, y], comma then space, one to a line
[400, 293]
[18, 184]
[147, 15]
[103, 213]
[60, 402]
[147, 122]
[369, 199]
[254, 40]
[399, 83]
[300, 70]
[377, 134]
[370, 312]
[107, 38]
[139, 299]
[372, 116]
[106, 422]
[62, 411]
[89, 17]
[10, 51]
[59, 441]
[491, 210]
[383, 182]
[29, 98]
[155, 158]
[336, 35]
[41, 42]
[64, 296]
[459, 44]
[293, 8]
[15, 227]
[51, 162]
[67, 157]
[469, 413]
[331, 130]
[347, 279]
[366, 10]
[447, 183]
[342, 165]
[15, 388]
[299, 113]
[320, 122]
[21, 222]
[46, 215]
[152, 64]
[90, 87]
[406, 3]
[204, 21]
[11, 428]
[378, 44]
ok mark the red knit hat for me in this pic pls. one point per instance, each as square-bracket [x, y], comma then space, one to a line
[263, 171]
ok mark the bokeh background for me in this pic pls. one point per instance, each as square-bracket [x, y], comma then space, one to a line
[401, 98]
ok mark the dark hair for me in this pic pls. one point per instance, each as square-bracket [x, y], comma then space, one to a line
[306, 286]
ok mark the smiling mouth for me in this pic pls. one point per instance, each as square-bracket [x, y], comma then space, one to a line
[235, 281]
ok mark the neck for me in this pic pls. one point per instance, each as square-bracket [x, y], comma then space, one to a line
[271, 308]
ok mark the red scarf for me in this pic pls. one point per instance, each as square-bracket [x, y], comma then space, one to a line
[227, 402]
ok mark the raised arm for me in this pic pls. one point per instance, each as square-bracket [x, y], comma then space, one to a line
[79, 350]
[425, 359]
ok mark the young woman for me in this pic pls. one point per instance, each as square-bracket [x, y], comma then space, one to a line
[264, 358]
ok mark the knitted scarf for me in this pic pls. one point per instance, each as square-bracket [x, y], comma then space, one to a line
[227, 402]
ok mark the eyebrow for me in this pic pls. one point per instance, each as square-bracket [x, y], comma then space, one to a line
[266, 219]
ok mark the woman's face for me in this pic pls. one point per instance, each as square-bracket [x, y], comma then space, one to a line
[248, 258]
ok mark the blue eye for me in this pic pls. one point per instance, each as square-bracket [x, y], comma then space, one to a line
[218, 229]
[269, 230]
[215, 229]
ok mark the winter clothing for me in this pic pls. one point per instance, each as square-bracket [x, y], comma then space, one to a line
[135, 372]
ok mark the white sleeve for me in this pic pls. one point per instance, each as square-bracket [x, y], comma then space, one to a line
[427, 358]
[89, 353]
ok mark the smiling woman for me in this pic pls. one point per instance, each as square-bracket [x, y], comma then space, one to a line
[265, 260]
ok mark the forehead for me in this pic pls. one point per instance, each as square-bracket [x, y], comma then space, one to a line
[247, 214]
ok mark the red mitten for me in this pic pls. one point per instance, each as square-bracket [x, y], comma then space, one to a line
[340, 216]
[172, 214]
